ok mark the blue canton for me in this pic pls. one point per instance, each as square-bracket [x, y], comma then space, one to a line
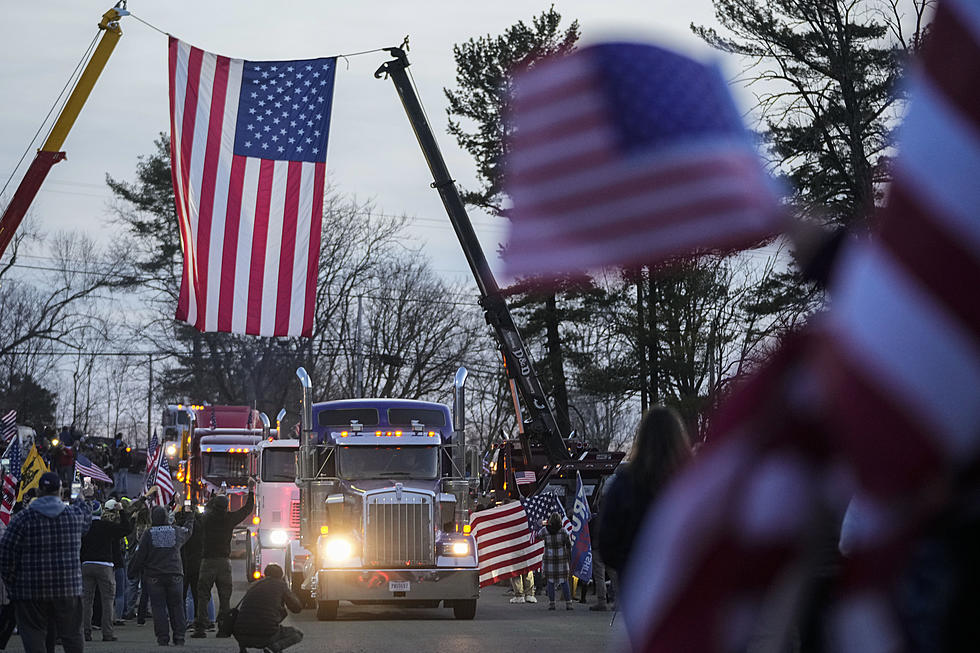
[16, 459]
[658, 98]
[539, 508]
[284, 109]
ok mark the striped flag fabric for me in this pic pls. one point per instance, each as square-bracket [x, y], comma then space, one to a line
[160, 477]
[8, 426]
[540, 506]
[503, 543]
[85, 467]
[151, 450]
[248, 160]
[525, 478]
[884, 388]
[624, 154]
[11, 477]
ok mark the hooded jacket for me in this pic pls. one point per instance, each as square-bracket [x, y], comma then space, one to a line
[101, 543]
[218, 525]
[39, 550]
[158, 553]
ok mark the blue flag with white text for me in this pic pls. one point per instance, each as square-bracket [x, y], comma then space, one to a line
[581, 540]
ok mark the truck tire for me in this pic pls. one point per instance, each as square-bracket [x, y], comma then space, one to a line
[249, 560]
[327, 610]
[464, 610]
[305, 596]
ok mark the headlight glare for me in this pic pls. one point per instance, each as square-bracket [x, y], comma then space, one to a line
[337, 549]
[278, 537]
[461, 548]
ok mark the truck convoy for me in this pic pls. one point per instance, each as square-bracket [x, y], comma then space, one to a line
[383, 504]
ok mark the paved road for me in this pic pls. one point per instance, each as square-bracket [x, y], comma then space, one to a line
[499, 627]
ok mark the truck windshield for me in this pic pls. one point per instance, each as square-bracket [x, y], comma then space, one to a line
[388, 462]
[225, 466]
[279, 465]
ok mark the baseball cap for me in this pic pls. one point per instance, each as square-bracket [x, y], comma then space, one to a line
[49, 482]
[112, 504]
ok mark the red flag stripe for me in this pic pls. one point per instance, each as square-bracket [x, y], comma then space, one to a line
[952, 40]
[229, 261]
[263, 203]
[932, 254]
[313, 260]
[284, 296]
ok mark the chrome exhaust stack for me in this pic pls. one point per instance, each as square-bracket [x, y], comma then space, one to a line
[266, 425]
[459, 421]
[306, 423]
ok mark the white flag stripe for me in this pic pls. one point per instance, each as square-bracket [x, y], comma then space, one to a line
[910, 346]
[273, 247]
[540, 83]
[301, 253]
[494, 522]
[246, 232]
[177, 160]
[932, 170]
[198, 148]
[567, 110]
[776, 500]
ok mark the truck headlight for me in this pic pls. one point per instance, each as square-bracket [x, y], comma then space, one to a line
[457, 548]
[278, 538]
[337, 549]
[171, 450]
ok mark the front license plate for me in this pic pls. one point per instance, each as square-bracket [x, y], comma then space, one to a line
[399, 586]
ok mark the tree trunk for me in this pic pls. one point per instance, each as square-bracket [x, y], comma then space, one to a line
[555, 364]
[641, 342]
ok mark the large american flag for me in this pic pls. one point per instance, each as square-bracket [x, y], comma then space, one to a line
[627, 154]
[248, 159]
[540, 506]
[85, 467]
[503, 543]
[8, 426]
[11, 477]
[884, 389]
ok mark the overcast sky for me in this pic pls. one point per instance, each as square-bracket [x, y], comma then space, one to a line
[372, 151]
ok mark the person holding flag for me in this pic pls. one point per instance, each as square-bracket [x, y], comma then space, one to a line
[581, 541]
[555, 562]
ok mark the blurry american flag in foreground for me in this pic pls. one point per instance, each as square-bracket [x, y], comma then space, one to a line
[885, 388]
[248, 151]
[628, 154]
[503, 543]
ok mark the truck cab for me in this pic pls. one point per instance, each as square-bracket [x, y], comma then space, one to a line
[384, 511]
[222, 464]
[273, 532]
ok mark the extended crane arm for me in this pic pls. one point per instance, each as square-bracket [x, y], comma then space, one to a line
[542, 425]
[50, 153]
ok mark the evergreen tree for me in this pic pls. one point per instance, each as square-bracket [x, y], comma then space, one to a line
[484, 72]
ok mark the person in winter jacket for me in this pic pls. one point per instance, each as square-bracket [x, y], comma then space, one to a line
[99, 548]
[557, 559]
[261, 612]
[190, 553]
[41, 568]
[218, 524]
[660, 449]
[158, 561]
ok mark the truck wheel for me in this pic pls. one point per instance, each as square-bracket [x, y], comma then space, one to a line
[464, 609]
[327, 610]
[297, 587]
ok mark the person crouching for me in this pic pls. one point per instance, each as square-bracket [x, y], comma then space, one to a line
[261, 612]
[157, 559]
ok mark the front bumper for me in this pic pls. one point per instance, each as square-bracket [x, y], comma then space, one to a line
[373, 584]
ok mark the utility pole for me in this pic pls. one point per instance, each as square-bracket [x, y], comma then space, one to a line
[149, 404]
[358, 355]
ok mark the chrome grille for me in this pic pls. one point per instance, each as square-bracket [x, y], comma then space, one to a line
[399, 531]
[294, 514]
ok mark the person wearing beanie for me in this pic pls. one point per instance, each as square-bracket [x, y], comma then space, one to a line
[41, 567]
[218, 524]
[262, 610]
[98, 553]
[158, 561]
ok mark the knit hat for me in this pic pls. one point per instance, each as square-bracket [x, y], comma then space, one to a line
[96, 509]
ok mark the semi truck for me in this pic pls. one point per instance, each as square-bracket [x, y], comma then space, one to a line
[384, 505]
[273, 532]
